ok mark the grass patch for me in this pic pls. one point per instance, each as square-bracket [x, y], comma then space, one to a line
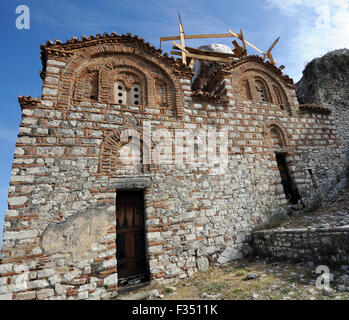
[213, 287]
[275, 283]
[240, 273]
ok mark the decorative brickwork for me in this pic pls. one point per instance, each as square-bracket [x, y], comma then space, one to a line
[111, 161]
[61, 233]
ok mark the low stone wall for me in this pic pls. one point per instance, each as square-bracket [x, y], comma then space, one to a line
[325, 245]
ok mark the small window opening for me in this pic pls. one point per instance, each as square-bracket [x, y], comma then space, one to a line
[120, 92]
[261, 94]
[134, 96]
[261, 91]
[92, 86]
[247, 90]
[124, 96]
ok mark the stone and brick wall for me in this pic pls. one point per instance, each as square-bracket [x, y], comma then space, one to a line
[320, 245]
[60, 228]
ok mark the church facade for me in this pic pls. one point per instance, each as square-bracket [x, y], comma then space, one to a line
[123, 174]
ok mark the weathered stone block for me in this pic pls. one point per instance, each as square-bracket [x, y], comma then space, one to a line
[45, 293]
[111, 280]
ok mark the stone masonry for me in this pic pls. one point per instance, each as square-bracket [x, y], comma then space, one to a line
[320, 245]
[60, 227]
[325, 81]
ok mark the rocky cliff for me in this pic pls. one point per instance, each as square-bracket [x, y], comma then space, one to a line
[326, 81]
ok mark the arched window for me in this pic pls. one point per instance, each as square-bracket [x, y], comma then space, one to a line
[87, 85]
[247, 89]
[278, 96]
[281, 100]
[122, 152]
[277, 137]
[92, 86]
[161, 93]
[262, 91]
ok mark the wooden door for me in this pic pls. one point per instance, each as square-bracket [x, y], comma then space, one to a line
[130, 237]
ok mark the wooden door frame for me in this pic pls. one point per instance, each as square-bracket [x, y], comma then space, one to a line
[130, 189]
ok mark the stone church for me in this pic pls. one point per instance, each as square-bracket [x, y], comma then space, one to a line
[104, 195]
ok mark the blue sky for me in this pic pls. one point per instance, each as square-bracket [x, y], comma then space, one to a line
[308, 29]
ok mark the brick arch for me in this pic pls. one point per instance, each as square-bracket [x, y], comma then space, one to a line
[113, 70]
[280, 98]
[256, 63]
[257, 79]
[250, 69]
[245, 90]
[276, 125]
[163, 93]
[83, 74]
[266, 77]
[87, 55]
[109, 155]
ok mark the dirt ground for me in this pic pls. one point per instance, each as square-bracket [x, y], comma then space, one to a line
[270, 281]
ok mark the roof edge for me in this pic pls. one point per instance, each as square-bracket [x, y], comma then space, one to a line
[73, 45]
[270, 66]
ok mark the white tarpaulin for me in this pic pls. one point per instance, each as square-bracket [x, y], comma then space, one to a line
[213, 47]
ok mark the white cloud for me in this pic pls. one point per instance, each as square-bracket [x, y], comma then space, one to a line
[318, 27]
